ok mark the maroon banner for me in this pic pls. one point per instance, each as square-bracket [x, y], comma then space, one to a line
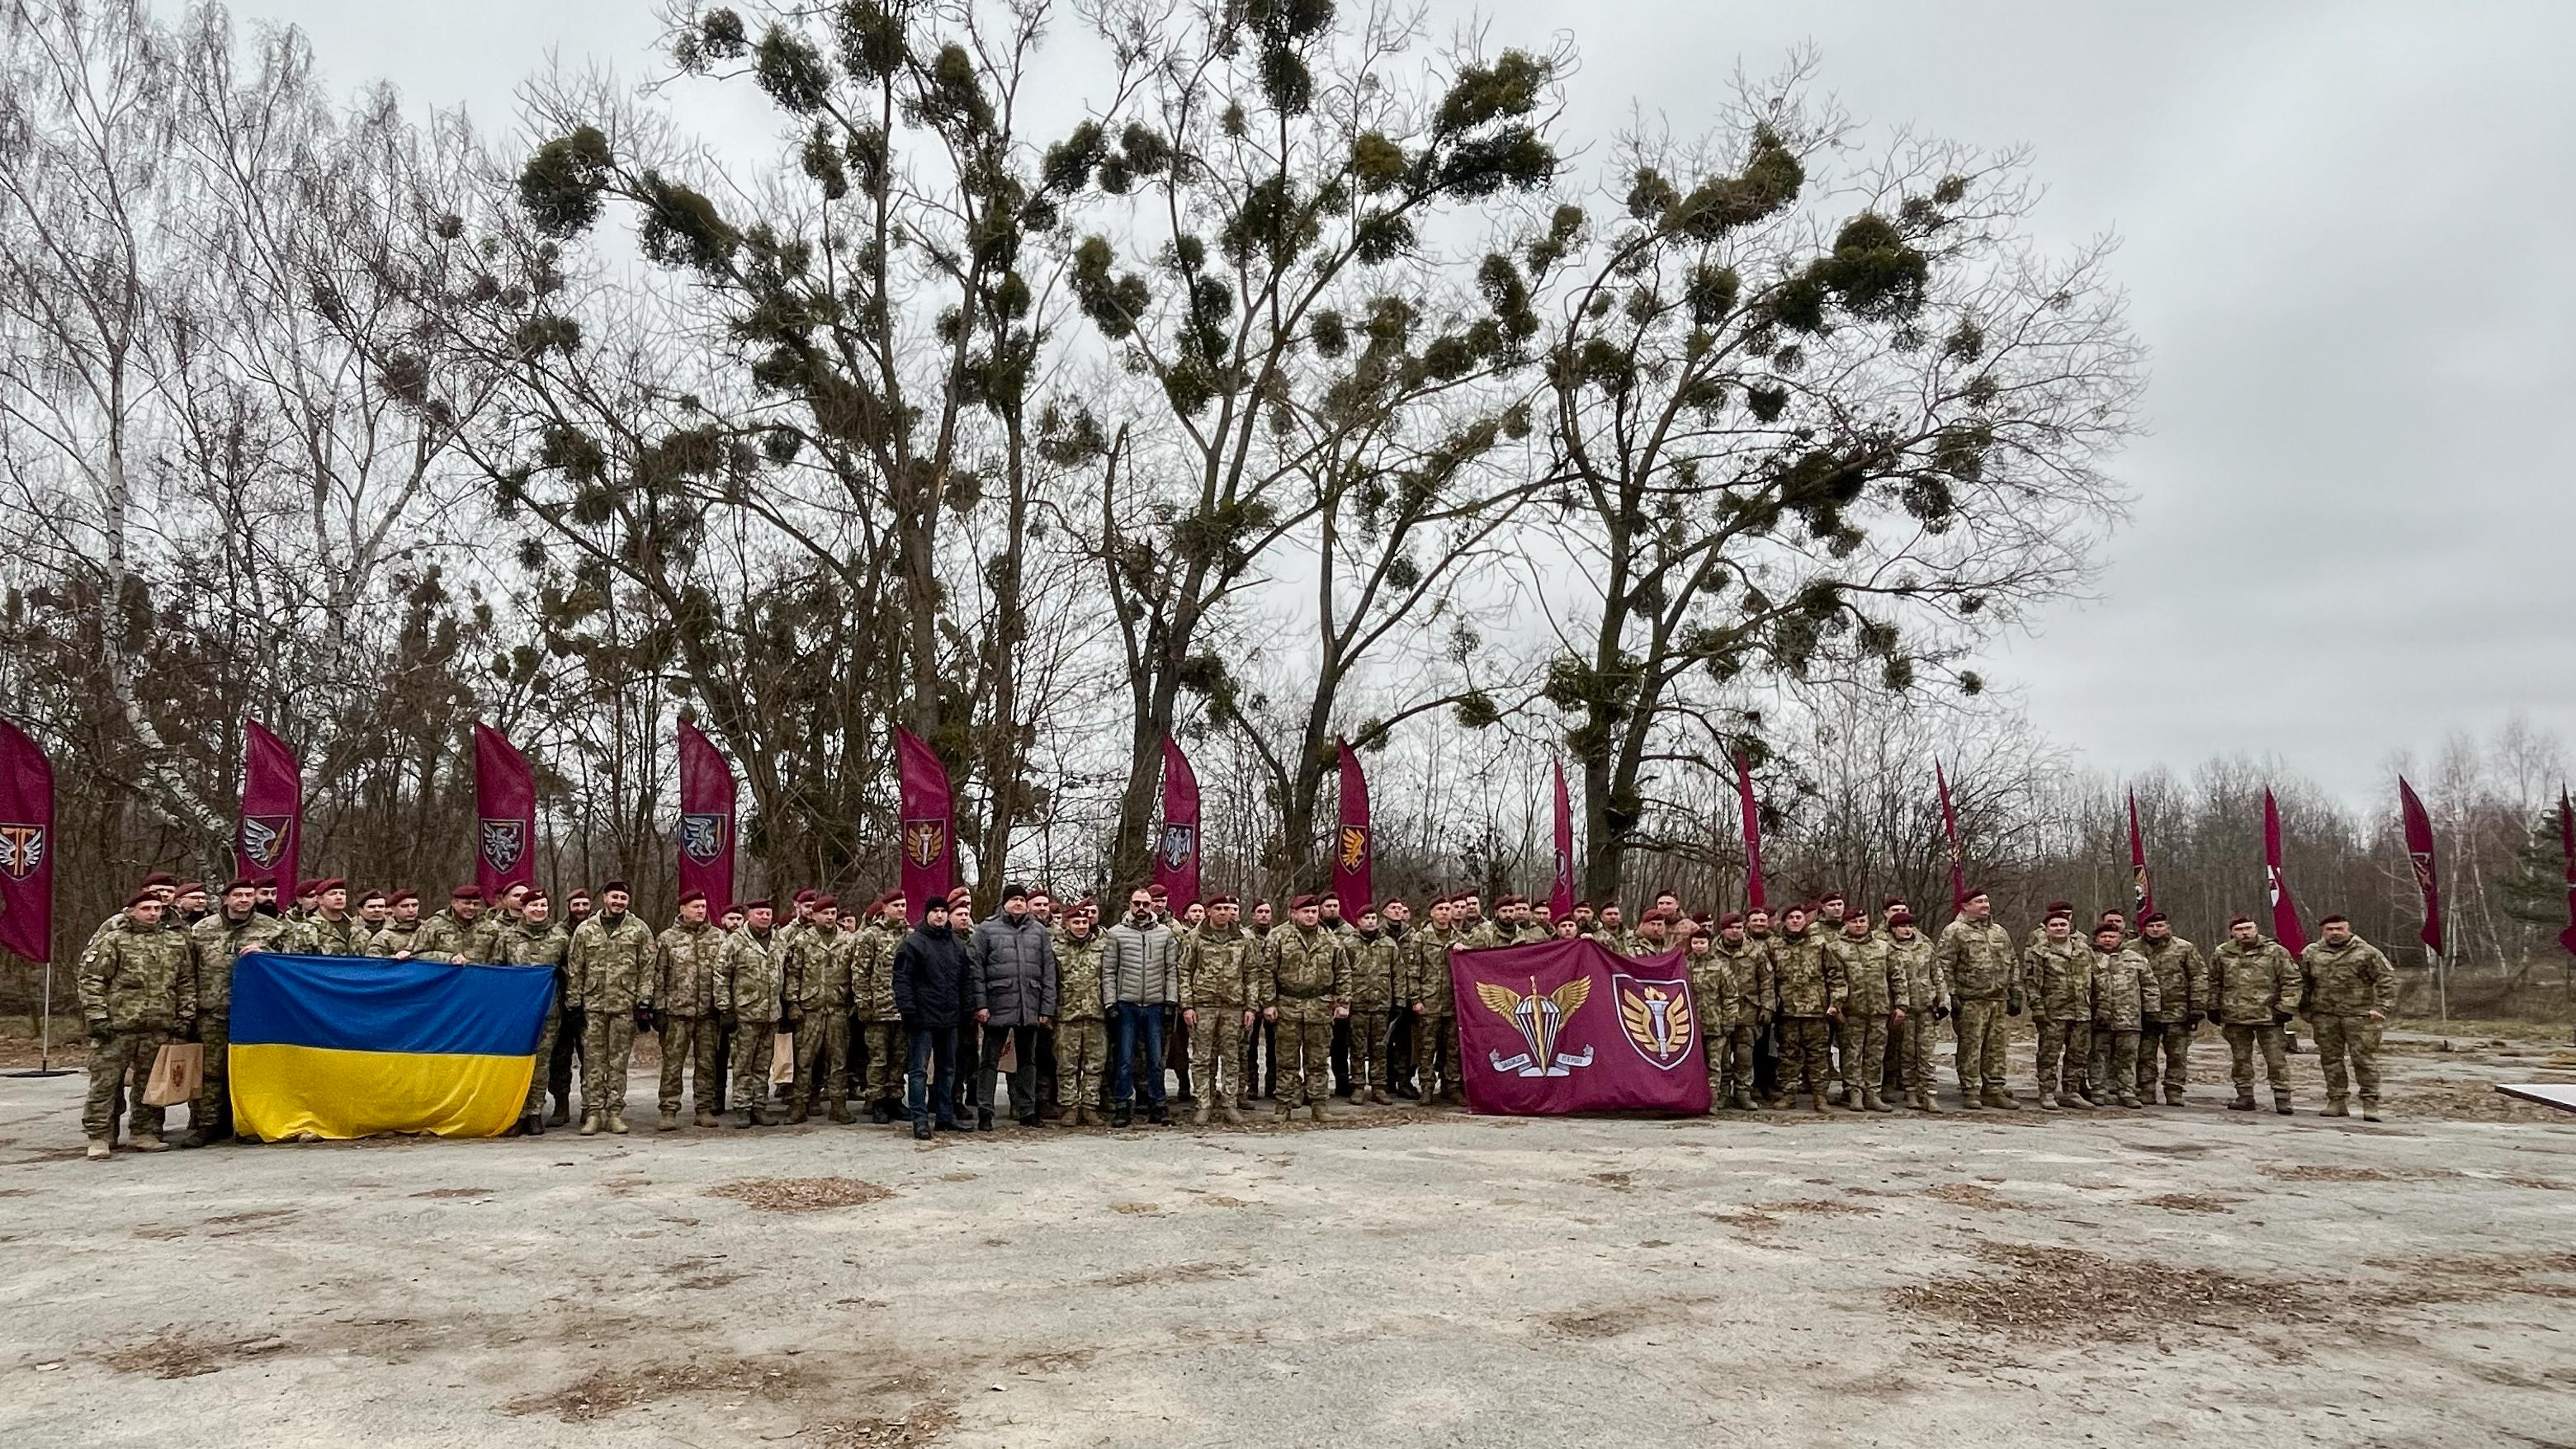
[505, 814]
[26, 845]
[2285, 911]
[707, 799]
[2419, 856]
[1950, 833]
[1353, 843]
[1753, 900]
[269, 841]
[1569, 1026]
[1560, 892]
[2567, 851]
[1176, 853]
[2142, 893]
[929, 837]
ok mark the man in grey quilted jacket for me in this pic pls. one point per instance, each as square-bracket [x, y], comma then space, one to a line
[1016, 958]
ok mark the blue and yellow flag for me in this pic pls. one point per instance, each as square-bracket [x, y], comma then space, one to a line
[349, 1046]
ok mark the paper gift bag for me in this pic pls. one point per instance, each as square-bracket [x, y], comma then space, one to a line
[178, 1070]
[782, 1058]
[1009, 1065]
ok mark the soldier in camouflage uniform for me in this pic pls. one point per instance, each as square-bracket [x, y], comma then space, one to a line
[748, 986]
[1302, 991]
[1653, 936]
[534, 939]
[876, 1026]
[1922, 1000]
[449, 935]
[2057, 980]
[2182, 994]
[1869, 998]
[373, 908]
[2124, 997]
[501, 917]
[1081, 1029]
[611, 965]
[1376, 964]
[214, 944]
[1811, 991]
[818, 1007]
[2253, 987]
[1731, 981]
[686, 957]
[2346, 991]
[1434, 1001]
[330, 930]
[136, 992]
[1975, 956]
[401, 927]
[1215, 963]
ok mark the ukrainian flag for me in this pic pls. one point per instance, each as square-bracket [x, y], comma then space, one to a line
[350, 1046]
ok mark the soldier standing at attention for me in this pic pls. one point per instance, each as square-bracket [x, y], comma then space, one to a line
[558, 1067]
[1870, 997]
[1731, 981]
[1650, 939]
[1213, 996]
[214, 944]
[2057, 978]
[1811, 1003]
[1376, 960]
[2182, 994]
[1923, 1000]
[1612, 936]
[872, 992]
[611, 964]
[686, 957]
[449, 935]
[2124, 996]
[818, 1014]
[372, 909]
[751, 980]
[2253, 987]
[503, 915]
[1975, 956]
[1081, 1038]
[1428, 997]
[1766, 1039]
[535, 940]
[188, 906]
[401, 928]
[136, 992]
[331, 930]
[2347, 991]
[1302, 991]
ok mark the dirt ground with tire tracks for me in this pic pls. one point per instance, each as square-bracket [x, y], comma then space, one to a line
[1396, 1278]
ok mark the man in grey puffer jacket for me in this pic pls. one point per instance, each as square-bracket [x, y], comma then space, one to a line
[1014, 955]
[1140, 982]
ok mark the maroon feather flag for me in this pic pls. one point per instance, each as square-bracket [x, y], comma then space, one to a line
[505, 814]
[1753, 900]
[2419, 856]
[26, 845]
[1353, 843]
[929, 836]
[269, 841]
[1560, 891]
[2567, 852]
[1950, 833]
[1176, 854]
[2142, 894]
[707, 800]
[2285, 911]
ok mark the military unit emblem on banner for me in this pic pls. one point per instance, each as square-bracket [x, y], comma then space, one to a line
[702, 836]
[263, 838]
[1541, 1022]
[925, 841]
[1657, 1017]
[1180, 842]
[504, 841]
[1354, 846]
[22, 849]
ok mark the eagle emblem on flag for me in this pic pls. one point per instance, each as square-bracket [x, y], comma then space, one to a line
[22, 849]
[504, 841]
[925, 841]
[1658, 1020]
[1354, 846]
[702, 836]
[263, 839]
[1541, 1020]
[1180, 842]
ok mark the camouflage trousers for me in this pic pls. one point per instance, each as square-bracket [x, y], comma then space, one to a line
[2065, 1057]
[1862, 1043]
[1435, 1044]
[754, 1043]
[1081, 1060]
[822, 1059]
[211, 1115]
[607, 1050]
[2115, 1062]
[1305, 1061]
[2241, 1041]
[887, 1048]
[1730, 1061]
[1216, 1056]
[1918, 1037]
[535, 1105]
[2170, 1040]
[1806, 1056]
[1368, 1054]
[109, 1062]
[1980, 1027]
[2353, 1040]
[692, 1042]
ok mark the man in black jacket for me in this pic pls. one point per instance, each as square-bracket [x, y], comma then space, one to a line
[935, 991]
[1015, 967]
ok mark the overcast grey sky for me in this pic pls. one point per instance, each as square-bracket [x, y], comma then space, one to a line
[2347, 230]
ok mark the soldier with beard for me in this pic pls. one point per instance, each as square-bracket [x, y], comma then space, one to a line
[1812, 993]
[750, 982]
[136, 992]
[2253, 987]
[213, 945]
[2346, 991]
[687, 957]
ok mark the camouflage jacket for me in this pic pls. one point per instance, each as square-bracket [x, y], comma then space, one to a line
[1427, 969]
[1869, 978]
[1919, 987]
[483, 942]
[443, 937]
[872, 972]
[317, 936]
[2253, 985]
[1077, 976]
[1732, 985]
[1617, 943]
[1976, 960]
[2057, 980]
[1215, 967]
[394, 939]
[1529, 933]
[610, 965]
[753, 976]
[2347, 980]
[1305, 974]
[1639, 945]
[818, 970]
[1375, 966]
[1482, 936]
[2124, 989]
[214, 944]
[2182, 978]
[1810, 980]
[685, 961]
[540, 945]
[138, 978]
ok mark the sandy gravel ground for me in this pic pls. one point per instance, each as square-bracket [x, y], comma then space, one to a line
[1401, 1278]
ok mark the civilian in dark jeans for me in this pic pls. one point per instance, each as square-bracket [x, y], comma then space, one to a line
[936, 990]
[1140, 981]
[1014, 960]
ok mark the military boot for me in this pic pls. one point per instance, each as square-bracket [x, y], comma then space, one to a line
[1742, 1101]
[2001, 1100]
[841, 1111]
[1877, 1103]
[98, 1149]
[1816, 1102]
[797, 1113]
[1229, 1114]
[590, 1124]
[2173, 1096]
[1930, 1102]
[2369, 1109]
[2071, 1100]
[144, 1142]
[2281, 1103]
[1122, 1114]
[1283, 1113]
[670, 1120]
[535, 1122]
[2131, 1100]
[2336, 1108]
[707, 1117]
[1968, 1101]
[1856, 1099]
[744, 1117]
[2048, 1101]
[1081, 1115]
[1379, 1098]
[616, 1125]
[561, 1116]
[1199, 1117]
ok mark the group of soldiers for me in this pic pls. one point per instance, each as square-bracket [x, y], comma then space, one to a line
[918, 1019]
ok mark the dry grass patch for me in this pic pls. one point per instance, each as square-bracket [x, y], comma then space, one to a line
[926, 1423]
[2466, 1277]
[2318, 1172]
[1134, 1208]
[1972, 1195]
[2191, 1202]
[1826, 1206]
[1173, 1273]
[603, 1392]
[2069, 1294]
[176, 1354]
[800, 1194]
[459, 1192]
